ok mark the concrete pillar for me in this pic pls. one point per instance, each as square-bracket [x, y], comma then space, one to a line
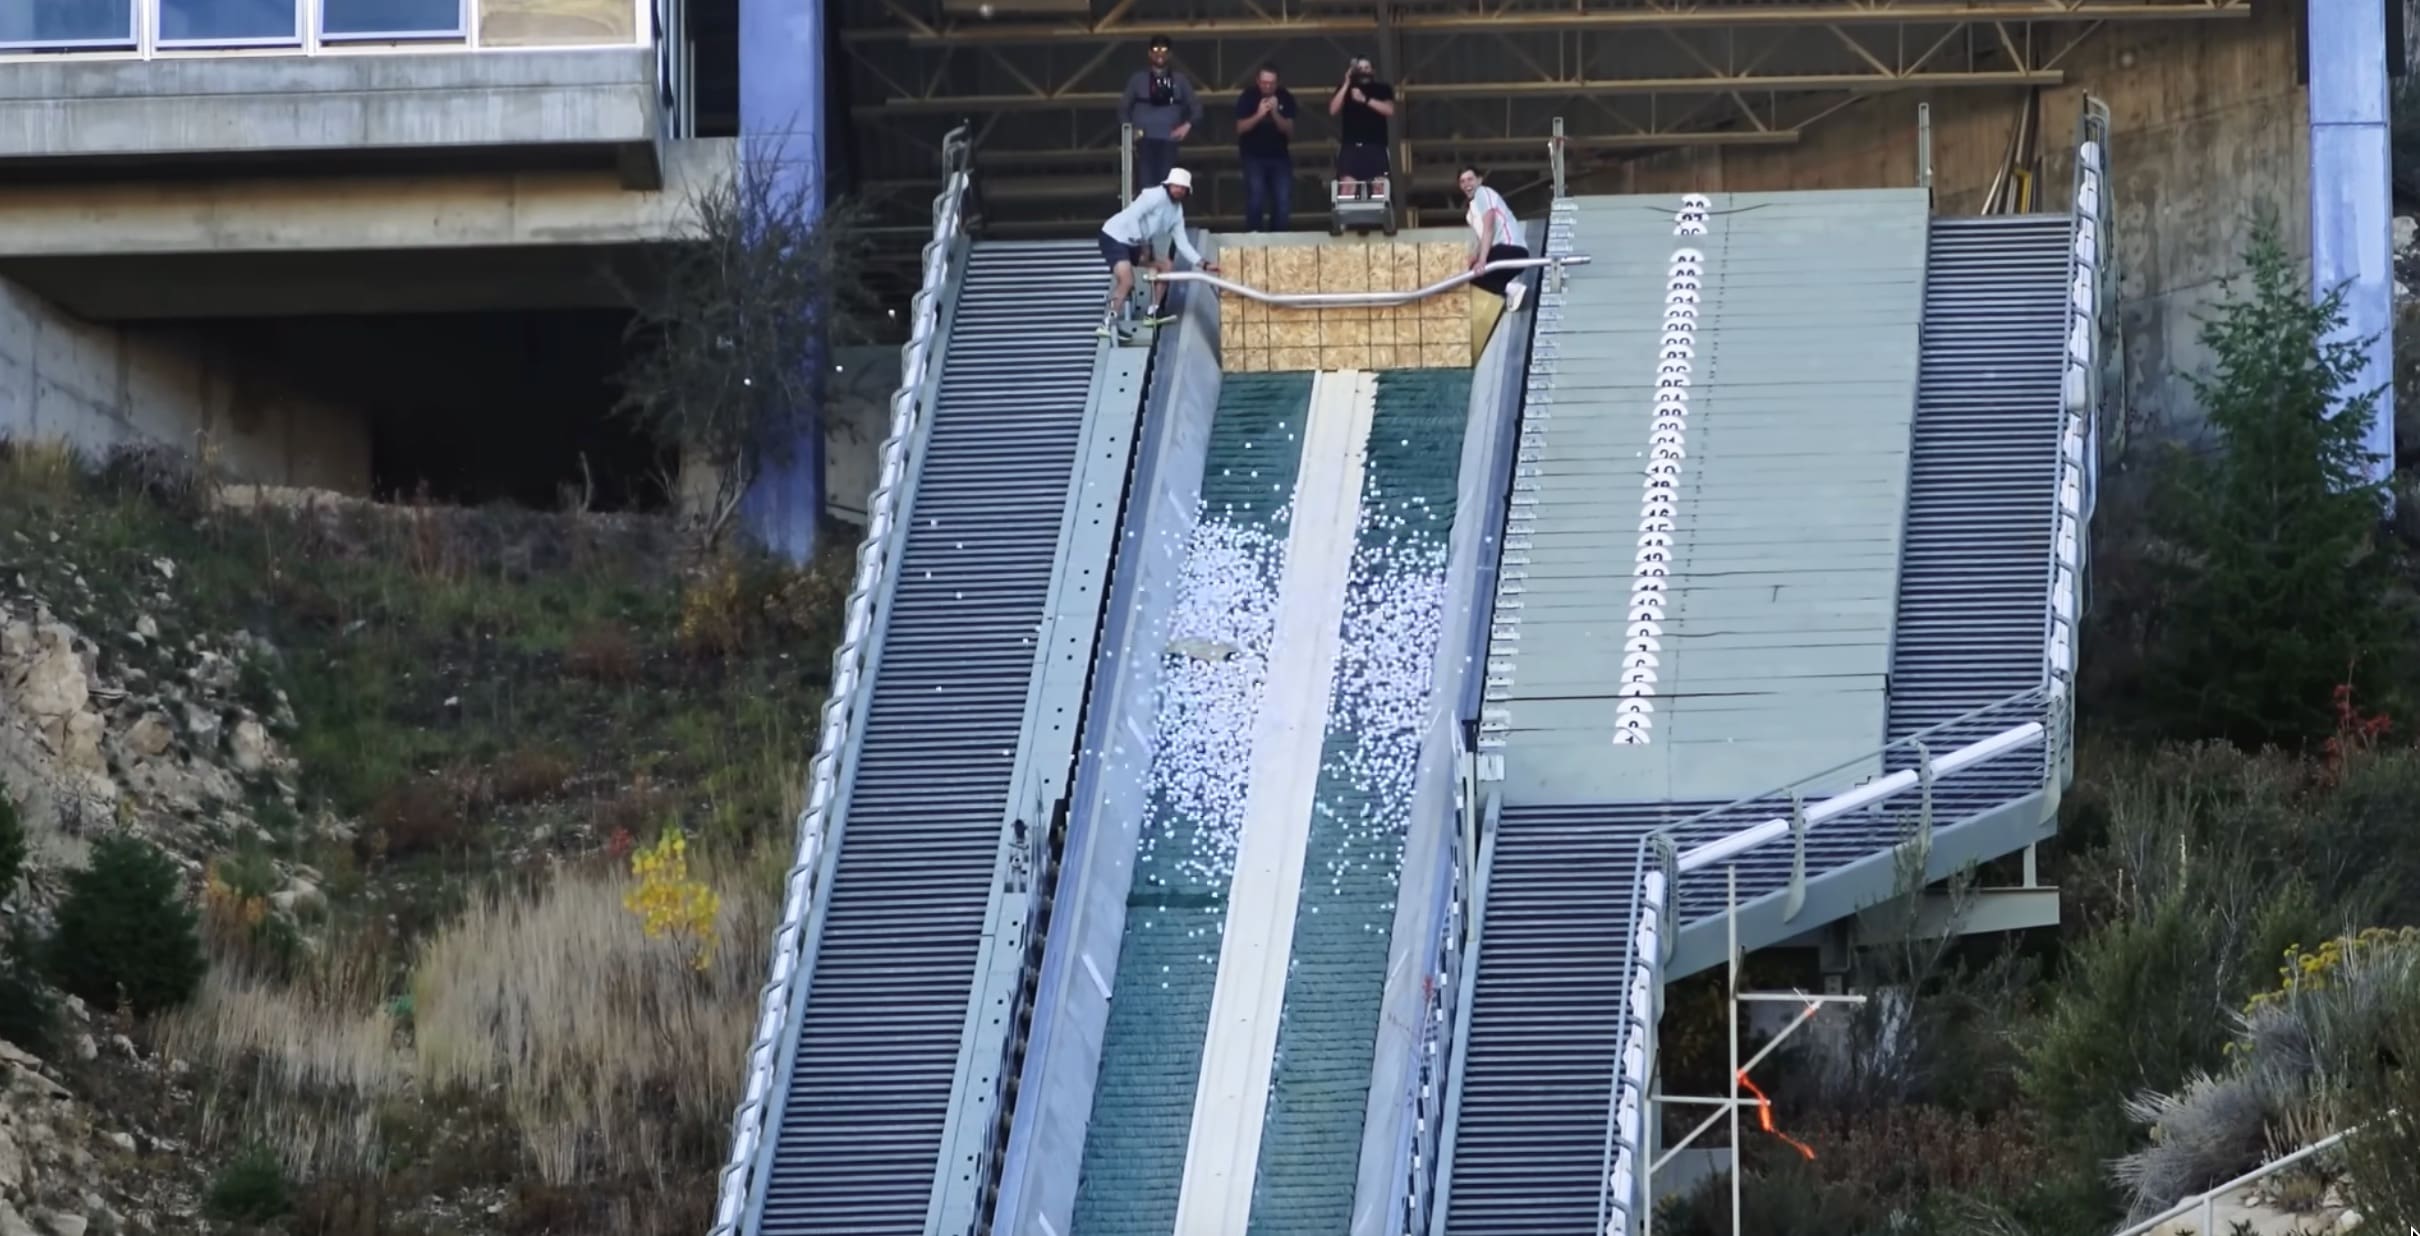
[781, 120]
[2352, 215]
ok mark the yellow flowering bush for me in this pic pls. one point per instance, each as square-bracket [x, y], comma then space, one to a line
[2311, 971]
[670, 902]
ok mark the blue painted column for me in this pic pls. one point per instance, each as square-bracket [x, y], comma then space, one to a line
[781, 123]
[2352, 216]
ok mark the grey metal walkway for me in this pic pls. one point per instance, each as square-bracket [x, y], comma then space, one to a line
[1536, 1064]
[865, 1088]
[1978, 562]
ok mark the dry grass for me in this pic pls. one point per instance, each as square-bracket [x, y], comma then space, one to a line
[303, 1067]
[616, 1059]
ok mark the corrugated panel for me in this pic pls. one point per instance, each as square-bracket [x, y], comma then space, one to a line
[867, 1087]
[1975, 580]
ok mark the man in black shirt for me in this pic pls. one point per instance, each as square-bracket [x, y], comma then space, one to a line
[1361, 107]
[1159, 102]
[1264, 137]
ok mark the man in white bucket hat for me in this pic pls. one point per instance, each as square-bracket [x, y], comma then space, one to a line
[1154, 221]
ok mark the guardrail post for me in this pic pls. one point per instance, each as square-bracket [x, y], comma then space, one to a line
[1924, 145]
[1125, 166]
[1668, 857]
[1797, 898]
[1924, 804]
[1554, 159]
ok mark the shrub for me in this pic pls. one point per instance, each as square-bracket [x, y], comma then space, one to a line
[603, 654]
[530, 774]
[12, 845]
[29, 1017]
[611, 1052]
[422, 815]
[250, 1188]
[125, 932]
[670, 902]
[2273, 590]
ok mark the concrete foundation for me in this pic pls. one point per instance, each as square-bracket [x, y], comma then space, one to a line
[97, 387]
[2207, 122]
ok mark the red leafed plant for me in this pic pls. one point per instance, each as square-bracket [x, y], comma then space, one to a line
[620, 844]
[2356, 731]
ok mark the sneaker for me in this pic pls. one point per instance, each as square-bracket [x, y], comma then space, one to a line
[1159, 319]
[1514, 294]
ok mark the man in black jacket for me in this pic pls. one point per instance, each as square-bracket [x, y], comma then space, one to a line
[1264, 136]
[1361, 106]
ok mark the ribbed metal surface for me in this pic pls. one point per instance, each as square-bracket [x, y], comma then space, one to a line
[867, 1093]
[1974, 578]
[1538, 1065]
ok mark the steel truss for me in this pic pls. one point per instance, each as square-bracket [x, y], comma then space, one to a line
[1480, 81]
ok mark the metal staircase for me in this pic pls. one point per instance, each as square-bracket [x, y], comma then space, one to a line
[856, 1120]
[1977, 560]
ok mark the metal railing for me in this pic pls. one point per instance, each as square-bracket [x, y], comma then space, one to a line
[1425, 1098]
[144, 37]
[1366, 300]
[2207, 1203]
[845, 701]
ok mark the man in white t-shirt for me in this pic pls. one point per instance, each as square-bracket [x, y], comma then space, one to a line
[1131, 237]
[1495, 237]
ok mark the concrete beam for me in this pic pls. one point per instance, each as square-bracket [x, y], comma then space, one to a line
[317, 215]
[66, 110]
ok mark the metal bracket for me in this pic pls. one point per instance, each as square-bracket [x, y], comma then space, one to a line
[1924, 145]
[1797, 898]
[1554, 159]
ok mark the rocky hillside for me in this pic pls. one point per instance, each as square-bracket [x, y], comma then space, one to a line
[401, 759]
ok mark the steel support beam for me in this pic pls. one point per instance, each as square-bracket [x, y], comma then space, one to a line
[1851, 83]
[1911, 12]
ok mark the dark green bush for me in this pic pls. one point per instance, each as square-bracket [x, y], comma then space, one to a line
[29, 1017]
[251, 1188]
[12, 845]
[125, 930]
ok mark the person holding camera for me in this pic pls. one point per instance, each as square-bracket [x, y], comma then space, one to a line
[1264, 136]
[1361, 106]
[1160, 104]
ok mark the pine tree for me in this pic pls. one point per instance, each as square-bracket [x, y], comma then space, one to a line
[2277, 588]
[125, 930]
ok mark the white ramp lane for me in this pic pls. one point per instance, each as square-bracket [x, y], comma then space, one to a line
[1239, 1056]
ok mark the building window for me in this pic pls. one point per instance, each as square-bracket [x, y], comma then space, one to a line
[556, 23]
[230, 22]
[66, 23]
[358, 19]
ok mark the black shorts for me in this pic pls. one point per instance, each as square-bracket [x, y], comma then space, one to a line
[1497, 280]
[1114, 251]
[1361, 162]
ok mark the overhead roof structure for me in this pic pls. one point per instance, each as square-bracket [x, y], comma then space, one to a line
[1480, 81]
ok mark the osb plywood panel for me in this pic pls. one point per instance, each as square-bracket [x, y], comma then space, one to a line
[1434, 333]
[556, 23]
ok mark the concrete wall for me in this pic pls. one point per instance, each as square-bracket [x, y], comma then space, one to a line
[2207, 121]
[97, 387]
[596, 100]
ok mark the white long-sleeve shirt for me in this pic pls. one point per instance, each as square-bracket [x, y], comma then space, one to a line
[1154, 217]
[1494, 231]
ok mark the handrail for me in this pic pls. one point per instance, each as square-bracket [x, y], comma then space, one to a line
[2207, 1201]
[1355, 300]
[874, 555]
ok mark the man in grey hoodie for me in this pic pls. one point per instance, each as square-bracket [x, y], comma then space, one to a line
[1162, 107]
